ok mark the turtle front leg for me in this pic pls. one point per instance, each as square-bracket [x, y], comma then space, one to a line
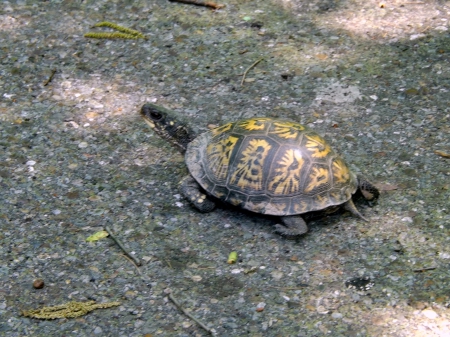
[368, 191]
[191, 190]
[293, 225]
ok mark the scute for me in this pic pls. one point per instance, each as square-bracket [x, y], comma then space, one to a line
[270, 166]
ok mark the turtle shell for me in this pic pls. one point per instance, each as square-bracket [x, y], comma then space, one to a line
[270, 166]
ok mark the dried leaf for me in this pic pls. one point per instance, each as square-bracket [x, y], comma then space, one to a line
[68, 310]
[411, 91]
[322, 56]
[442, 154]
[387, 187]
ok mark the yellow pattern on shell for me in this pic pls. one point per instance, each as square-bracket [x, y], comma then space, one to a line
[300, 207]
[319, 176]
[287, 130]
[287, 178]
[254, 124]
[336, 195]
[221, 129]
[318, 145]
[322, 201]
[219, 154]
[249, 170]
[340, 171]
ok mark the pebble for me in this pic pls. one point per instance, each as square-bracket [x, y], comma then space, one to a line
[337, 315]
[38, 284]
[429, 313]
[98, 330]
[277, 275]
[260, 306]
[83, 145]
[139, 323]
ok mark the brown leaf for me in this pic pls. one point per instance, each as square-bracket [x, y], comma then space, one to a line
[442, 154]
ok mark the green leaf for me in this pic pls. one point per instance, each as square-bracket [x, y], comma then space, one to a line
[232, 258]
[97, 236]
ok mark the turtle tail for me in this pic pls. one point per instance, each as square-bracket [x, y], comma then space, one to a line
[350, 206]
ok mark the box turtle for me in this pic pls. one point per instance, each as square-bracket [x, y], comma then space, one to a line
[265, 165]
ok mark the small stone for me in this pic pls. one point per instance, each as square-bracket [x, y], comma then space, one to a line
[98, 330]
[38, 284]
[322, 310]
[260, 306]
[83, 145]
[336, 315]
[196, 278]
[138, 323]
[186, 324]
[277, 275]
[429, 313]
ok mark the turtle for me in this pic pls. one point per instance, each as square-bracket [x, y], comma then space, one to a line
[265, 165]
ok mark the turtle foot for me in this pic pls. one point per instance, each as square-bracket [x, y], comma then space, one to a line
[292, 226]
[191, 191]
[368, 191]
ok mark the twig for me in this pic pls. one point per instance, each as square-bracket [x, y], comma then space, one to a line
[134, 264]
[50, 77]
[289, 288]
[423, 269]
[248, 69]
[168, 263]
[116, 240]
[200, 3]
[189, 315]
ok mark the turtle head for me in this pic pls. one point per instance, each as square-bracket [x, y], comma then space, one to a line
[166, 126]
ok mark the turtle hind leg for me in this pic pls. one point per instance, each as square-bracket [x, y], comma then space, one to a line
[368, 191]
[350, 206]
[191, 190]
[293, 225]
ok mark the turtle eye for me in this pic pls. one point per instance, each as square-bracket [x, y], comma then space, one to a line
[155, 115]
[153, 112]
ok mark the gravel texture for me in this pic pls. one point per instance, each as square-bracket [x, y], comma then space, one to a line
[373, 78]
